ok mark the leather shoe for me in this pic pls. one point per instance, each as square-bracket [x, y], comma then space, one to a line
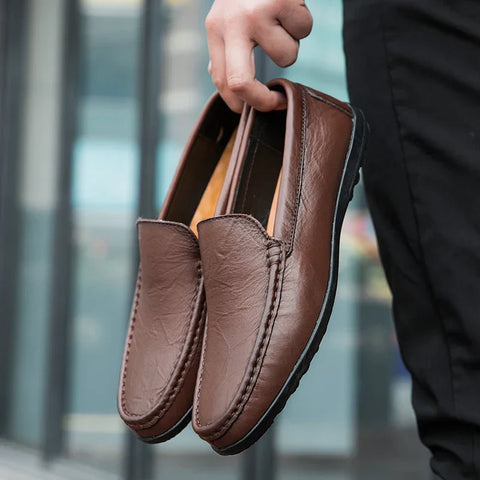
[162, 349]
[270, 262]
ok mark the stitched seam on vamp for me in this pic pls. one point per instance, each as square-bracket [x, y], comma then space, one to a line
[248, 388]
[166, 403]
[250, 385]
[299, 180]
[329, 102]
[192, 306]
[167, 223]
[179, 383]
[130, 336]
[254, 224]
[201, 370]
[200, 379]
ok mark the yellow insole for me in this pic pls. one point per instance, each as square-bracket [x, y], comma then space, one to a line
[273, 209]
[208, 202]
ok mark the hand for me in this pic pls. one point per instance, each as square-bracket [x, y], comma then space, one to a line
[234, 28]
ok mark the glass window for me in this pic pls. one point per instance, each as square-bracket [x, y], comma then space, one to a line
[39, 140]
[105, 173]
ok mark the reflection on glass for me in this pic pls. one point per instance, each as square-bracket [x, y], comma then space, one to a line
[105, 173]
[39, 139]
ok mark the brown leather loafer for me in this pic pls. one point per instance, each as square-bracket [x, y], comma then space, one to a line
[162, 350]
[270, 265]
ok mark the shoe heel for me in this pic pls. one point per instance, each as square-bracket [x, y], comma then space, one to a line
[355, 160]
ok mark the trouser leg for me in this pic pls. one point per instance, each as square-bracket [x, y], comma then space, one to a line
[414, 67]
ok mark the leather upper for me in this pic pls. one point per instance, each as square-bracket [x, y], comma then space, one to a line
[265, 293]
[166, 325]
[243, 297]
[162, 349]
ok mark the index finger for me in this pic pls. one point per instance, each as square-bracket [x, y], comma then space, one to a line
[240, 75]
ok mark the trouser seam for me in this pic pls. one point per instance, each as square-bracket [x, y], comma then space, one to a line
[414, 207]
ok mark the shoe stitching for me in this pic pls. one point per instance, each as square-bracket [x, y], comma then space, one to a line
[248, 388]
[254, 226]
[130, 334]
[250, 384]
[299, 179]
[166, 403]
[174, 225]
[328, 102]
[180, 381]
[268, 263]
[131, 337]
[181, 229]
[200, 378]
[202, 366]
[192, 306]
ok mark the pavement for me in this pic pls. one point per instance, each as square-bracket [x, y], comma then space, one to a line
[18, 463]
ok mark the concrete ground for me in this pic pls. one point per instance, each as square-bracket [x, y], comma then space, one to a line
[382, 455]
[17, 463]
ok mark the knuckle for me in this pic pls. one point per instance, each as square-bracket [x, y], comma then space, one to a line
[251, 13]
[238, 83]
[218, 81]
[231, 19]
[253, 10]
[211, 23]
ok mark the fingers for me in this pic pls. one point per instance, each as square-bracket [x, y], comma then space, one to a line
[240, 75]
[296, 19]
[217, 69]
[278, 44]
[235, 28]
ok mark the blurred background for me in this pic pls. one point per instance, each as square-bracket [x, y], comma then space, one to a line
[97, 98]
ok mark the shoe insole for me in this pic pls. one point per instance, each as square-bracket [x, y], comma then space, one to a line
[273, 208]
[259, 183]
[208, 202]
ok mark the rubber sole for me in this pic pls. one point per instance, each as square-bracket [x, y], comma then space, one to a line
[350, 177]
[175, 430]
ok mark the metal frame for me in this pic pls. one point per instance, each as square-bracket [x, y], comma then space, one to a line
[60, 301]
[149, 91]
[12, 54]
[260, 460]
[139, 456]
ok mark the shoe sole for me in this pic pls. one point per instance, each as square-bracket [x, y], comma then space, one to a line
[350, 178]
[170, 433]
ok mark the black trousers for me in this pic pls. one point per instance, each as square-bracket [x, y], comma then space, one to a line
[414, 68]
